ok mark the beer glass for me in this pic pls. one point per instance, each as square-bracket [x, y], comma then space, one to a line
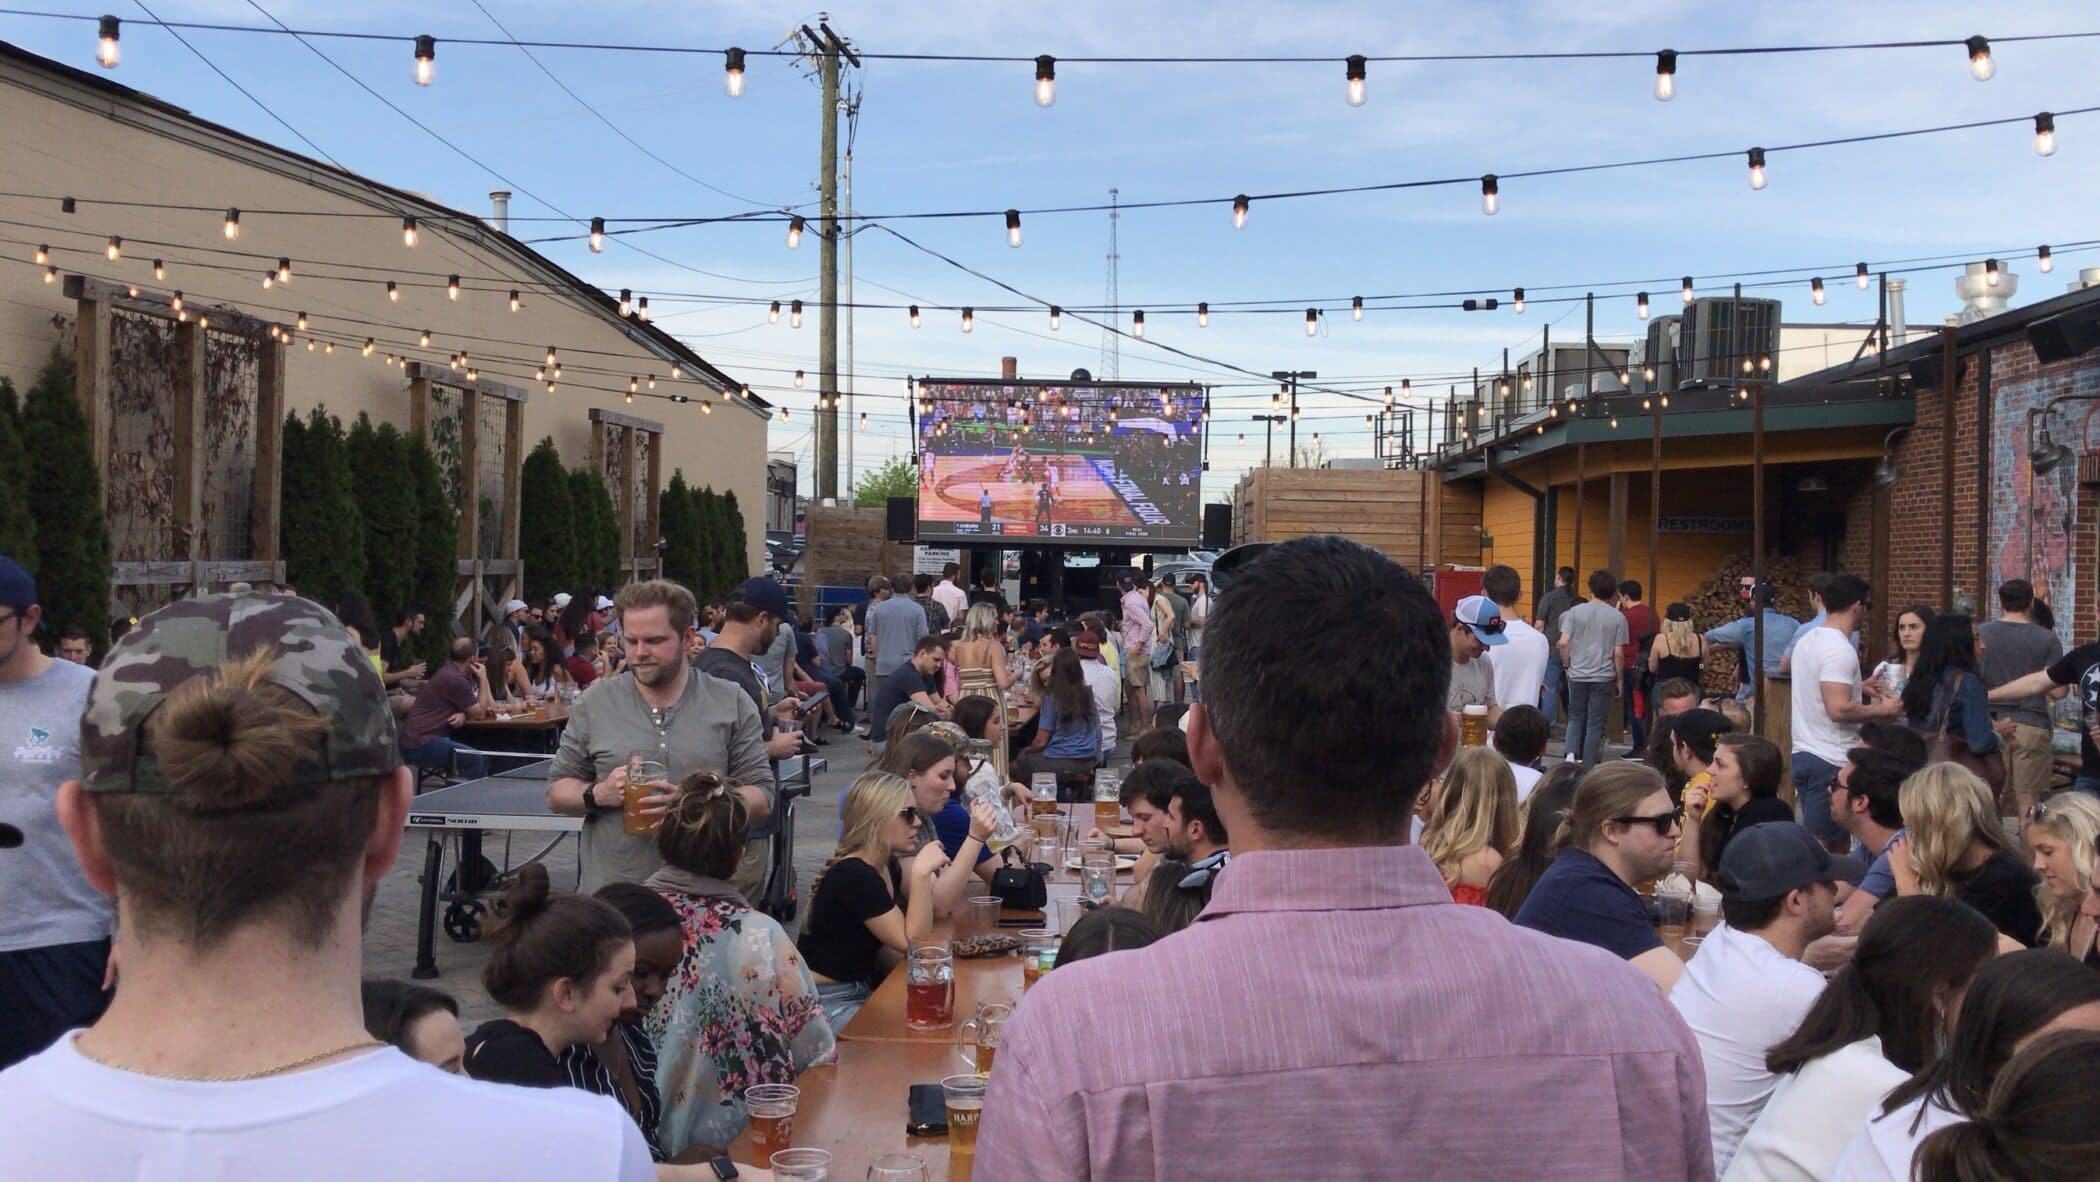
[1033, 942]
[1473, 726]
[1046, 826]
[1674, 907]
[1069, 909]
[929, 988]
[1097, 883]
[982, 916]
[897, 1167]
[771, 1108]
[1042, 792]
[645, 778]
[1108, 800]
[965, 1097]
[801, 1165]
[977, 1040]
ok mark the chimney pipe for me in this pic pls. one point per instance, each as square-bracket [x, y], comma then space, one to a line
[1899, 329]
[1982, 299]
[1009, 369]
[499, 204]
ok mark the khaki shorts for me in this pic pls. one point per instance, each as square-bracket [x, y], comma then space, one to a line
[1137, 667]
[2028, 761]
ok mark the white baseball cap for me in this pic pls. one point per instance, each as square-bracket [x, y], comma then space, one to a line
[604, 604]
[515, 605]
[562, 600]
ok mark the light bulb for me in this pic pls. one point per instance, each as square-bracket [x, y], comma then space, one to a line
[1665, 401]
[1389, 398]
[1815, 291]
[175, 302]
[160, 271]
[1013, 227]
[106, 42]
[550, 355]
[269, 280]
[328, 347]
[1137, 325]
[626, 302]
[641, 309]
[1687, 289]
[1045, 80]
[676, 371]
[798, 379]
[1356, 307]
[369, 343]
[513, 299]
[864, 418]
[733, 72]
[1517, 300]
[426, 58]
[284, 270]
[1312, 321]
[115, 249]
[1490, 195]
[1757, 168]
[1353, 71]
[1057, 316]
[1203, 315]
[1990, 272]
[2042, 261]
[795, 314]
[969, 320]
[773, 313]
[133, 290]
[1859, 276]
[43, 255]
[408, 232]
[1666, 75]
[1406, 384]
[2045, 134]
[452, 288]
[794, 231]
[652, 381]
[233, 224]
[633, 384]
[301, 321]
[915, 315]
[1980, 67]
[424, 337]
[393, 292]
[51, 274]
[1275, 401]
[1640, 305]
[1647, 373]
[597, 235]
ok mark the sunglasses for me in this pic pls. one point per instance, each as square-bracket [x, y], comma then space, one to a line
[1492, 627]
[1663, 822]
[1202, 871]
[908, 814]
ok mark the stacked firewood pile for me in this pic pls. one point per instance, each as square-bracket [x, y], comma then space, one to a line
[1717, 602]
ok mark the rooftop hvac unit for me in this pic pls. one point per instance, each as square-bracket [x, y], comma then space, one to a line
[1664, 353]
[1716, 335]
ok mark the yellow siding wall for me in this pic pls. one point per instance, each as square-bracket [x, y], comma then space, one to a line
[1507, 516]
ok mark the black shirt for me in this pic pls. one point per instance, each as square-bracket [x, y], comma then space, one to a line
[897, 689]
[2003, 889]
[501, 1051]
[390, 651]
[2081, 667]
[1727, 822]
[731, 665]
[838, 943]
[1579, 898]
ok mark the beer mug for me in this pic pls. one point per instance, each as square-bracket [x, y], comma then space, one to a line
[929, 988]
[1473, 726]
[1042, 791]
[1098, 883]
[977, 1040]
[1108, 799]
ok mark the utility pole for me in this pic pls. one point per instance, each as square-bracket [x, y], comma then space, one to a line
[846, 184]
[828, 47]
[1111, 339]
[1290, 378]
[1268, 435]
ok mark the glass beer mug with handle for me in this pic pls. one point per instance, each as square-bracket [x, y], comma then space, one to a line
[1004, 831]
[1042, 792]
[977, 1040]
[1108, 800]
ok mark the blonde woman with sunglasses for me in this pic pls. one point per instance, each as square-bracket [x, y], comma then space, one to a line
[2060, 835]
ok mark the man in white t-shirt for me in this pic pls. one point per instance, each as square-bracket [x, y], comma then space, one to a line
[1747, 989]
[1520, 664]
[1828, 706]
[236, 1048]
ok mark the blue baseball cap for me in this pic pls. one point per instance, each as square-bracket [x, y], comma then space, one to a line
[1482, 618]
[765, 595]
[17, 586]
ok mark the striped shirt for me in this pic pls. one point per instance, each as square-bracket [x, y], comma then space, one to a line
[587, 1071]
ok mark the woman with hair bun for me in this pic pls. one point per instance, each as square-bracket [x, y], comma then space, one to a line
[560, 964]
[2038, 1124]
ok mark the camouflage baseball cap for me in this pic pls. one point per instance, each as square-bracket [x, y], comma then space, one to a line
[318, 661]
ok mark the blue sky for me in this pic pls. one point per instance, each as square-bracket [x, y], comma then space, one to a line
[946, 136]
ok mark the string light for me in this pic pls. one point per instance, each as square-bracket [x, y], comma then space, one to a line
[1640, 305]
[1202, 315]
[1275, 401]
[408, 233]
[1687, 289]
[426, 58]
[794, 231]
[733, 72]
[1137, 324]
[641, 309]
[1356, 307]
[626, 303]
[425, 338]
[2042, 261]
[2045, 134]
[513, 299]
[773, 313]
[864, 419]
[43, 255]
[1666, 75]
[328, 348]
[1239, 212]
[1980, 67]
[651, 379]
[233, 224]
[1389, 398]
[1647, 373]
[597, 235]
[452, 287]
[798, 379]
[115, 249]
[51, 274]
[969, 320]
[1312, 321]
[1490, 195]
[1517, 300]
[106, 50]
[1057, 316]
[633, 384]
[783, 414]
[1045, 80]
[1013, 227]
[550, 355]
[1990, 272]
[676, 371]
[369, 343]
[175, 302]
[1859, 276]
[393, 292]
[1815, 291]
[1757, 168]
[301, 321]
[269, 280]
[134, 290]
[1353, 70]
[284, 269]
[914, 314]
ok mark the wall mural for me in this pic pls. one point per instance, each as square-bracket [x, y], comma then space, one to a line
[2036, 514]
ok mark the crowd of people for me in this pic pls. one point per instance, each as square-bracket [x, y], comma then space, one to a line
[1866, 957]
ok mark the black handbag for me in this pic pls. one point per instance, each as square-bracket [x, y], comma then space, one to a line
[1021, 886]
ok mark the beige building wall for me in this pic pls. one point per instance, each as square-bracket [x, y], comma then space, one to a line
[67, 134]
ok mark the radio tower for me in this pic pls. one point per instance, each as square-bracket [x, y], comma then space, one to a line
[1111, 340]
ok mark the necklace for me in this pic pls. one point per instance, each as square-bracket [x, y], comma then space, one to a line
[279, 1069]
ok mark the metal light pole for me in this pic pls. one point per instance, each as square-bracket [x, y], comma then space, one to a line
[1290, 378]
[1268, 435]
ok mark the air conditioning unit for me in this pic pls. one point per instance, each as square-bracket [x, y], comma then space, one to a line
[1716, 335]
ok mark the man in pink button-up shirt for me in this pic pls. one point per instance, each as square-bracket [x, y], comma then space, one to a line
[1333, 1013]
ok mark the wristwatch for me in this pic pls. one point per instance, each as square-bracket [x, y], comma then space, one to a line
[723, 1168]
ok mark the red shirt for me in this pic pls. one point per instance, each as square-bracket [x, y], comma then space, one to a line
[582, 672]
[1640, 622]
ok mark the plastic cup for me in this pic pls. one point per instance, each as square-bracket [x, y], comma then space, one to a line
[1050, 853]
[897, 1167]
[801, 1165]
[982, 918]
[1674, 909]
[771, 1109]
[645, 778]
[1069, 909]
[965, 1098]
[1098, 883]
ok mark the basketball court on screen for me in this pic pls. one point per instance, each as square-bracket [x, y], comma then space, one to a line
[954, 488]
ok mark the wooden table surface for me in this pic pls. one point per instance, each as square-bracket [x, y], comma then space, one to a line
[553, 713]
[858, 1109]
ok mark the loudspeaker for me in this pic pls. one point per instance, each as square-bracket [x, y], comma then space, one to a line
[1217, 527]
[2063, 336]
[903, 519]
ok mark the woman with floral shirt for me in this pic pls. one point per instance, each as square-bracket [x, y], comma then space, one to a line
[741, 1007]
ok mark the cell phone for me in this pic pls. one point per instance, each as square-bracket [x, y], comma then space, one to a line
[811, 702]
[928, 1112]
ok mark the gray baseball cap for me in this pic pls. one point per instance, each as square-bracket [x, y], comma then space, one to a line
[1766, 861]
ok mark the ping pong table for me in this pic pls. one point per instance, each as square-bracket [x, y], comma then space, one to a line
[514, 800]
